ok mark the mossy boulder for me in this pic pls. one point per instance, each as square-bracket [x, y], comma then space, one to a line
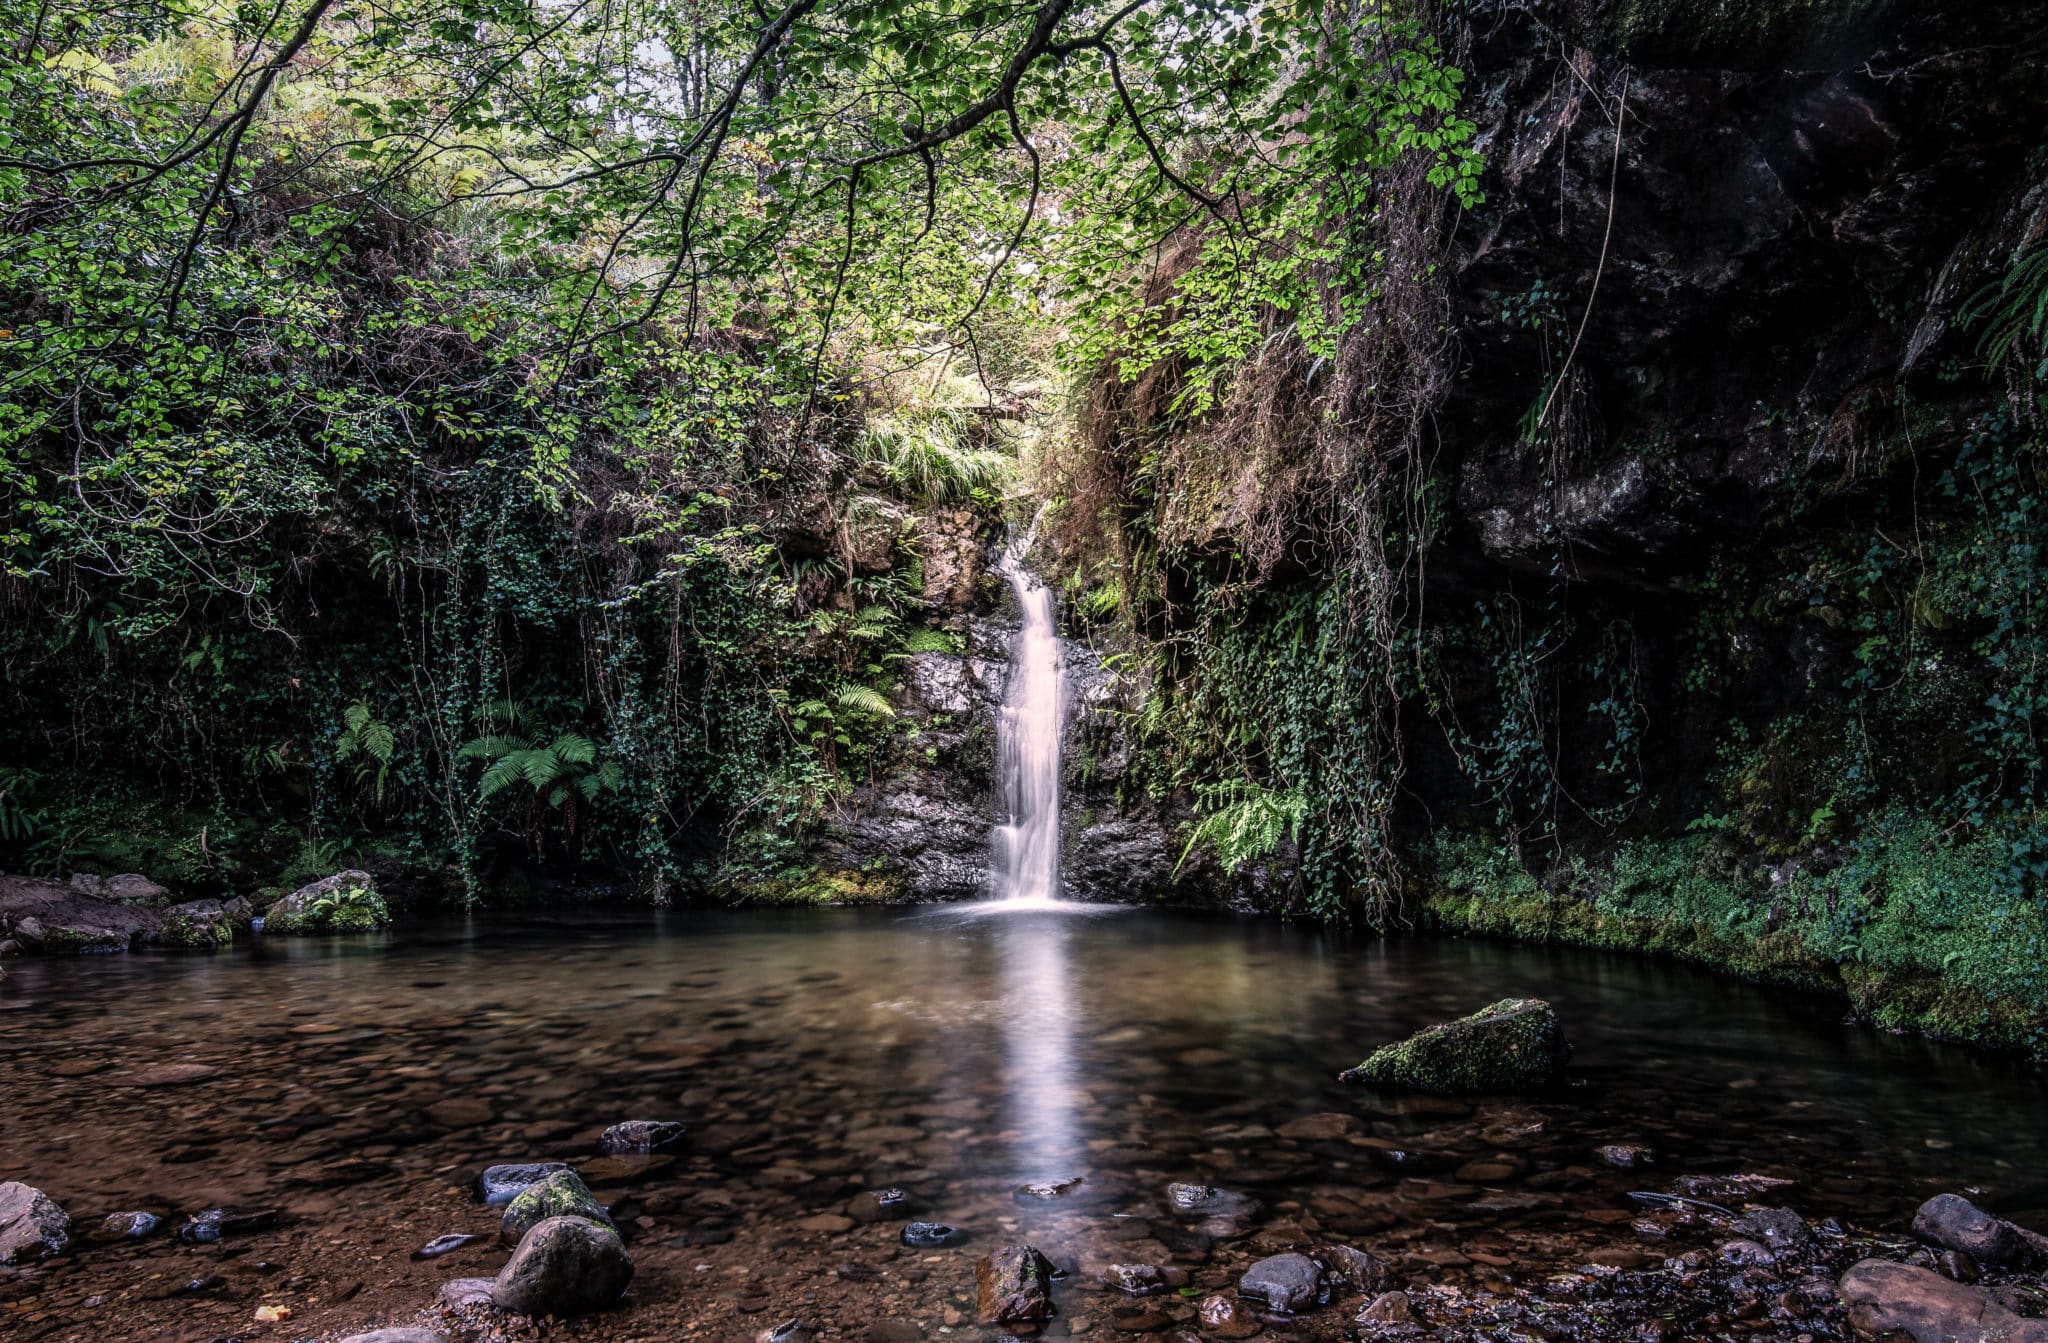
[197, 925]
[559, 1193]
[346, 902]
[1515, 1044]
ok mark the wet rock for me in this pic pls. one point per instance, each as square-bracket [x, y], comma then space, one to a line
[1319, 1127]
[1746, 1254]
[789, 1331]
[1013, 1285]
[1388, 1308]
[1781, 1230]
[126, 888]
[1955, 1264]
[1515, 1044]
[1204, 1200]
[559, 1193]
[878, 1205]
[1356, 1269]
[1143, 1279]
[1044, 1191]
[170, 1075]
[642, 1136]
[500, 1184]
[344, 902]
[397, 1336]
[1286, 1283]
[441, 1245]
[894, 1331]
[460, 1112]
[564, 1266]
[1726, 1188]
[116, 1227]
[1624, 1155]
[1227, 1317]
[458, 1292]
[929, 1235]
[32, 1226]
[1889, 1300]
[1955, 1223]
[1139, 1320]
[206, 1227]
[197, 925]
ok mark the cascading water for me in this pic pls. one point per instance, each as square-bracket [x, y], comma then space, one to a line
[1028, 740]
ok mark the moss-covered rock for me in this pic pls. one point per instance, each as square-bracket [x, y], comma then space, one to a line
[1515, 1044]
[197, 925]
[346, 902]
[875, 885]
[559, 1193]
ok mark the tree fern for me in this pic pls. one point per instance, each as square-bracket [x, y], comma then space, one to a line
[2013, 311]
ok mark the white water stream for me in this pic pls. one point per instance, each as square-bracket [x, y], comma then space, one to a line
[1028, 744]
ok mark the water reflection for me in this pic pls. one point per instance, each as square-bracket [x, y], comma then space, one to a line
[1040, 1028]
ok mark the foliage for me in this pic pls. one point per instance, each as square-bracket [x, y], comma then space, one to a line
[1245, 822]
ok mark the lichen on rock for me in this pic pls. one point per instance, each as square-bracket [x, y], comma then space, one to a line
[1515, 1044]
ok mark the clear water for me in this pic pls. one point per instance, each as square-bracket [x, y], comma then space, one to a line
[820, 1053]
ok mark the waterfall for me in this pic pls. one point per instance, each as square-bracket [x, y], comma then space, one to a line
[1028, 741]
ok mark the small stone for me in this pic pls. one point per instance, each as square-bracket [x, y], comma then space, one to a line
[1225, 1317]
[1013, 1285]
[894, 1331]
[119, 1226]
[1388, 1308]
[564, 1266]
[1136, 1279]
[929, 1235]
[1139, 1320]
[1047, 1190]
[642, 1136]
[826, 1223]
[269, 1314]
[441, 1245]
[1623, 1155]
[209, 1226]
[1359, 1270]
[498, 1185]
[1784, 1231]
[458, 1292]
[878, 1205]
[1286, 1283]
[170, 1075]
[1323, 1127]
[789, 1331]
[1746, 1254]
[32, 1226]
[460, 1112]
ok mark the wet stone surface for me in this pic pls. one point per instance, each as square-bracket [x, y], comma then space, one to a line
[825, 1064]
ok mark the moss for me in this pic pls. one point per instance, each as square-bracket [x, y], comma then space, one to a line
[1512, 1045]
[878, 885]
[78, 941]
[349, 907]
[1915, 933]
[561, 1193]
[195, 934]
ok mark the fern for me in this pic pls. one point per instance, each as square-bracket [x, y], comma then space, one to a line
[2013, 311]
[362, 733]
[864, 699]
[930, 455]
[1247, 822]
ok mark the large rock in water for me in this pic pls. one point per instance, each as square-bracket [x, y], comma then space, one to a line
[1890, 1301]
[345, 902]
[565, 1266]
[1286, 1283]
[1512, 1045]
[1013, 1286]
[32, 1226]
[1954, 1223]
